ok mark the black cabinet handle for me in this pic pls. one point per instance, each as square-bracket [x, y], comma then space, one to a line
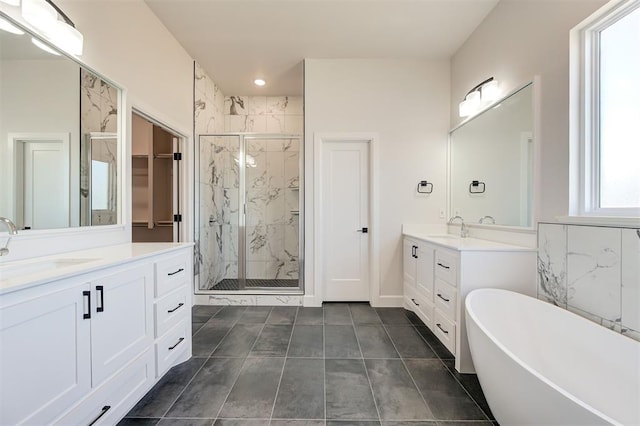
[87, 315]
[443, 330]
[100, 308]
[440, 296]
[176, 308]
[102, 413]
[173, 273]
[174, 346]
[414, 302]
[443, 266]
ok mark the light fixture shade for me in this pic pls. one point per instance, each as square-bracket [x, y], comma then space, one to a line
[43, 46]
[40, 14]
[9, 27]
[11, 2]
[470, 105]
[68, 38]
[490, 91]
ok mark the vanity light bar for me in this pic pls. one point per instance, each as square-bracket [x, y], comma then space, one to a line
[481, 95]
[44, 16]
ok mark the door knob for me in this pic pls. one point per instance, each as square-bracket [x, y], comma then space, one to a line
[363, 230]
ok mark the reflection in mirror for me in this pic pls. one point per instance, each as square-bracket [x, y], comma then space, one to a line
[491, 164]
[55, 119]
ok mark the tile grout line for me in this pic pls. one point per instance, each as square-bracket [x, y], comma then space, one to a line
[364, 364]
[453, 375]
[384, 327]
[284, 363]
[201, 367]
[243, 364]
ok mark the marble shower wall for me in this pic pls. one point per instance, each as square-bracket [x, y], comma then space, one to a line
[592, 271]
[98, 113]
[272, 179]
[208, 113]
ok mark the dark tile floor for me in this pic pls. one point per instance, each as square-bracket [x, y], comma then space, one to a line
[344, 364]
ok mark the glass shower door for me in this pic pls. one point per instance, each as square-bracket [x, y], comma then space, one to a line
[221, 256]
[272, 197]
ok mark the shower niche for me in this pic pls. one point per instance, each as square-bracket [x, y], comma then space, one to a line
[250, 209]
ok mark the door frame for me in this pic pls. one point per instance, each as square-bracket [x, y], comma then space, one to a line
[374, 221]
[17, 142]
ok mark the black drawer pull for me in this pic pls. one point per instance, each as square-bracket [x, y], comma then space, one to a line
[87, 315]
[443, 330]
[443, 266]
[176, 308]
[174, 346]
[102, 413]
[178, 271]
[440, 296]
[100, 308]
[414, 302]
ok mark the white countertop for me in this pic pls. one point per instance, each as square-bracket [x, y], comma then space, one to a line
[22, 274]
[439, 236]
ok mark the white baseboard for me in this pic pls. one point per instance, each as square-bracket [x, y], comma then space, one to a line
[388, 302]
[311, 301]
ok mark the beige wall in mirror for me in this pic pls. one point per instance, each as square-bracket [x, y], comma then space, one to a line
[59, 140]
[492, 163]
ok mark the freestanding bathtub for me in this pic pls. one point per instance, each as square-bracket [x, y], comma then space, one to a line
[542, 365]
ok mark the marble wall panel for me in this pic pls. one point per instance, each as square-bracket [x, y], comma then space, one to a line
[630, 317]
[592, 271]
[552, 267]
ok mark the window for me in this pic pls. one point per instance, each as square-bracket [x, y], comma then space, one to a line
[607, 100]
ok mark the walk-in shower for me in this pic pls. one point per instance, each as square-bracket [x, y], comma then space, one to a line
[249, 211]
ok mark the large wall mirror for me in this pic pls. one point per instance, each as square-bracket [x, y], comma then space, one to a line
[59, 139]
[492, 162]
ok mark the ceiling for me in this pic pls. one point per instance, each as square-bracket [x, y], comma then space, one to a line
[236, 41]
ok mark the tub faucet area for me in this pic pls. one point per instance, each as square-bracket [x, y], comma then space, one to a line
[11, 227]
[463, 229]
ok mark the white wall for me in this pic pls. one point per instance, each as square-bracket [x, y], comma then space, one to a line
[126, 43]
[517, 40]
[406, 102]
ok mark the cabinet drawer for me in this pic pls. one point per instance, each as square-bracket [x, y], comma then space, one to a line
[421, 306]
[446, 299]
[445, 330]
[171, 273]
[170, 346]
[170, 310]
[115, 397]
[446, 266]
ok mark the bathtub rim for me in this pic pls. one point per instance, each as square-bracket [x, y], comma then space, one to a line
[471, 314]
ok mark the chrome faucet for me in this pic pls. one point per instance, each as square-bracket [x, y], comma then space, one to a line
[463, 229]
[11, 227]
[493, 221]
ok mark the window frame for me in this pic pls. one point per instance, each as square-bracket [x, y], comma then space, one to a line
[585, 111]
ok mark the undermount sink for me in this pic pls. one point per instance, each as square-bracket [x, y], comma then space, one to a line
[10, 271]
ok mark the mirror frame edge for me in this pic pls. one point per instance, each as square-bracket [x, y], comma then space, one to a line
[535, 82]
[7, 14]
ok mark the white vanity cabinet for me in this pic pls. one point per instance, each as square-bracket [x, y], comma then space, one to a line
[80, 349]
[418, 278]
[452, 267]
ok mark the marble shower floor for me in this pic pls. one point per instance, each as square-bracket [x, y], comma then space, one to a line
[233, 284]
[343, 364]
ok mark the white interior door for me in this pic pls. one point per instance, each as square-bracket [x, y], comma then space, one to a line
[46, 185]
[345, 220]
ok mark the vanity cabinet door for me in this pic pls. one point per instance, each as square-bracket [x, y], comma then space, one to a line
[122, 319]
[44, 355]
[424, 271]
[409, 261]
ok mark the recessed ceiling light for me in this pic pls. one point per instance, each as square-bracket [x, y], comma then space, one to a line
[259, 82]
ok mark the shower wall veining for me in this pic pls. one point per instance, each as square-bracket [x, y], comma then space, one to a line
[593, 271]
[272, 178]
[99, 113]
